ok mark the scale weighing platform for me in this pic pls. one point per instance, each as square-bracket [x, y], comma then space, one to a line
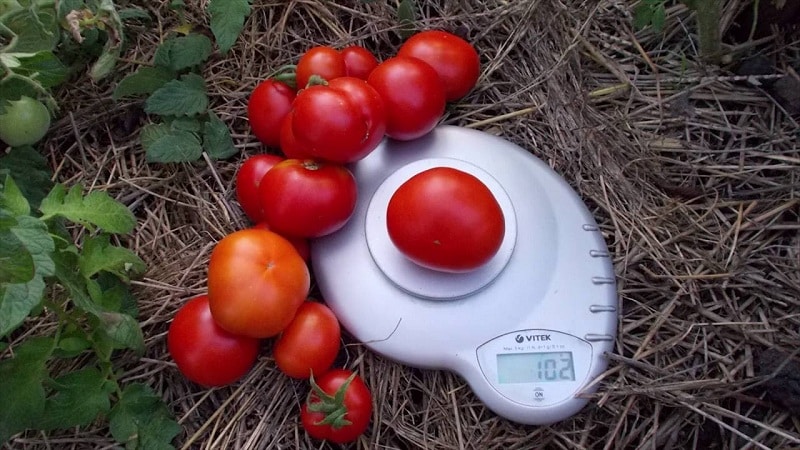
[529, 329]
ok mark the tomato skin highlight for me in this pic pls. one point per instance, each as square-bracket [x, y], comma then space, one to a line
[357, 401]
[204, 352]
[310, 343]
[322, 61]
[308, 198]
[358, 61]
[455, 60]
[268, 105]
[413, 96]
[248, 178]
[445, 219]
[256, 282]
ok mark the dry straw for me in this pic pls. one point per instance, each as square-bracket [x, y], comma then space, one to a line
[693, 176]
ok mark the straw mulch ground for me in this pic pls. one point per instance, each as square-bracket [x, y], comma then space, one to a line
[693, 175]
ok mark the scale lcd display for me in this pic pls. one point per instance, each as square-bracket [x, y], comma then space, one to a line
[535, 367]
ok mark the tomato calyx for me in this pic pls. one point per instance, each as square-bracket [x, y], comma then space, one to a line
[316, 80]
[310, 164]
[286, 74]
[331, 406]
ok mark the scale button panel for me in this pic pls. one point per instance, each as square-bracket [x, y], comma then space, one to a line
[536, 367]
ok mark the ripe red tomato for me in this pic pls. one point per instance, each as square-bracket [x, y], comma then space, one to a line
[248, 177]
[321, 414]
[454, 59]
[269, 103]
[300, 244]
[445, 219]
[358, 61]
[310, 343]
[204, 352]
[256, 282]
[341, 122]
[307, 198]
[413, 96]
[289, 145]
[323, 61]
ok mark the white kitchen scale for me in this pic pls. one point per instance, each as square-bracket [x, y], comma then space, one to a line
[528, 330]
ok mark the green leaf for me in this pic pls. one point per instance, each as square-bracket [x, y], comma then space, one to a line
[132, 13]
[152, 132]
[406, 14]
[79, 398]
[12, 198]
[100, 255]
[175, 146]
[36, 29]
[121, 331]
[21, 392]
[70, 346]
[217, 139]
[227, 20]
[184, 97]
[19, 299]
[95, 209]
[66, 261]
[189, 124]
[42, 66]
[30, 171]
[144, 81]
[104, 65]
[189, 51]
[141, 420]
[16, 263]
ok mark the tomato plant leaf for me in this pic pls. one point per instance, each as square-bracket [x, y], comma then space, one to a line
[134, 12]
[79, 398]
[34, 235]
[151, 133]
[144, 81]
[21, 392]
[175, 146]
[184, 97]
[42, 66]
[36, 28]
[217, 139]
[12, 198]
[67, 274]
[406, 14]
[100, 255]
[189, 124]
[140, 420]
[16, 263]
[30, 172]
[122, 331]
[188, 51]
[227, 21]
[95, 209]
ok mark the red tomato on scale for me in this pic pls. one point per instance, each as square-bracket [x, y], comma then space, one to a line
[445, 219]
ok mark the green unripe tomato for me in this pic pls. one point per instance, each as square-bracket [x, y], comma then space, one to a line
[24, 122]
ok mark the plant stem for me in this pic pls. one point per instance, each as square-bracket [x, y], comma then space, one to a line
[708, 16]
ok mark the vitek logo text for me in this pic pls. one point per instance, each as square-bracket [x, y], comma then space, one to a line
[520, 338]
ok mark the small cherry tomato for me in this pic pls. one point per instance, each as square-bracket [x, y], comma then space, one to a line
[445, 219]
[341, 122]
[325, 62]
[338, 408]
[307, 198]
[267, 106]
[248, 178]
[204, 352]
[256, 282]
[358, 61]
[310, 343]
[455, 60]
[413, 96]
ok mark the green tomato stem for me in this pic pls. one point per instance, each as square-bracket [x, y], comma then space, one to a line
[332, 406]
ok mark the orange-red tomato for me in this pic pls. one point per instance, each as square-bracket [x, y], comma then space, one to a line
[310, 343]
[256, 282]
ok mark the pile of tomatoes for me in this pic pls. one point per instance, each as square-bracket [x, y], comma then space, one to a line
[342, 104]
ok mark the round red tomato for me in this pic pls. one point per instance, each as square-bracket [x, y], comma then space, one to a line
[341, 122]
[358, 61]
[256, 282]
[445, 219]
[269, 103]
[337, 418]
[204, 352]
[310, 343]
[289, 145]
[300, 244]
[248, 177]
[322, 61]
[413, 96]
[307, 198]
[455, 60]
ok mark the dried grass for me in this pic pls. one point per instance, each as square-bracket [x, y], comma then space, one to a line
[693, 176]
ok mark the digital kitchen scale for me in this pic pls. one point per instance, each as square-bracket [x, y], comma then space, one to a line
[528, 330]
